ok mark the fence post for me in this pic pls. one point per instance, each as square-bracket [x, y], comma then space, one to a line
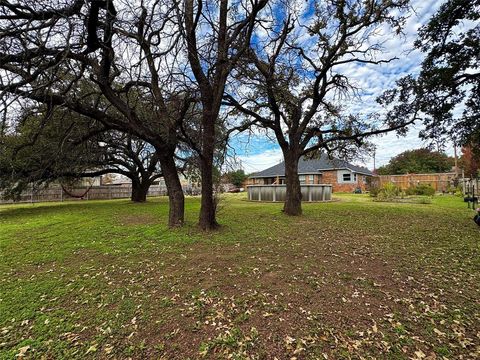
[31, 195]
[61, 194]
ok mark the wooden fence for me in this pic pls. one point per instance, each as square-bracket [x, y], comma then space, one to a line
[56, 193]
[440, 181]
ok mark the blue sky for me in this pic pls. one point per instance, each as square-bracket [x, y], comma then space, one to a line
[257, 152]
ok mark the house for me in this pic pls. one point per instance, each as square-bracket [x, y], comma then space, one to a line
[343, 176]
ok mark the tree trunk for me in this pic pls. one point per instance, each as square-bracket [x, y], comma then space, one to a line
[207, 220]
[139, 190]
[176, 199]
[293, 200]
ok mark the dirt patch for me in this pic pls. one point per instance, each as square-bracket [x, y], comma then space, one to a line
[139, 219]
[283, 299]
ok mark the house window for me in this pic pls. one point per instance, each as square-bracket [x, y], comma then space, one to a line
[302, 179]
[310, 179]
[347, 177]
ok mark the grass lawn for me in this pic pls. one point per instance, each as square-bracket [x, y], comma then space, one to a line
[348, 279]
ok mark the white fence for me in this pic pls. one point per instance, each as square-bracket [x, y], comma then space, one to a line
[56, 193]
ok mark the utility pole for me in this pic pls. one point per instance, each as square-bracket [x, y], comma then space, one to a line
[456, 158]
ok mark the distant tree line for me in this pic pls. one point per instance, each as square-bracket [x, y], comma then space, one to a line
[425, 161]
[419, 161]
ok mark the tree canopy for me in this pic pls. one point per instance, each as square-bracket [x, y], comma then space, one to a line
[236, 177]
[29, 157]
[69, 147]
[446, 92]
[418, 161]
[470, 160]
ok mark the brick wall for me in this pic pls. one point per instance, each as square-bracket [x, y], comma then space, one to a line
[330, 177]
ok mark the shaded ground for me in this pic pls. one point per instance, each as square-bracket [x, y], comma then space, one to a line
[349, 279]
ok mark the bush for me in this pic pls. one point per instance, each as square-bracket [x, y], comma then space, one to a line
[412, 190]
[374, 190]
[391, 193]
[421, 189]
[459, 192]
[388, 191]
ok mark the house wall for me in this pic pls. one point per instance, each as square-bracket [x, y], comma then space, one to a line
[259, 181]
[335, 177]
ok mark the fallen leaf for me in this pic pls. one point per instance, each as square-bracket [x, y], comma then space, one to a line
[92, 349]
[420, 354]
[22, 351]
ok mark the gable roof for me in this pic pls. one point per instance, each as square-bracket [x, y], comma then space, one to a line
[313, 166]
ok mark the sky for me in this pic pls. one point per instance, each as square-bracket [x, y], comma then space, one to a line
[257, 152]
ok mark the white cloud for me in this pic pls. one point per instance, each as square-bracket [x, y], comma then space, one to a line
[391, 145]
[256, 162]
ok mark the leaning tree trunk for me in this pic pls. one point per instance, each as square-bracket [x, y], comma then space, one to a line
[293, 200]
[176, 198]
[140, 190]
[207, 219]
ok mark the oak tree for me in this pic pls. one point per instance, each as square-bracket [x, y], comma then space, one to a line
[294, 78]
[120, 69]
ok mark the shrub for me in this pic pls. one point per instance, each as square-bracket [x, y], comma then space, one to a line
[421, 189]
[373, 191]
[389, 191]
[459, 192]
[412, 190]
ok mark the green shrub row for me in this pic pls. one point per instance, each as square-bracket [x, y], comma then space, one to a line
[390, 191]
[421, 189]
